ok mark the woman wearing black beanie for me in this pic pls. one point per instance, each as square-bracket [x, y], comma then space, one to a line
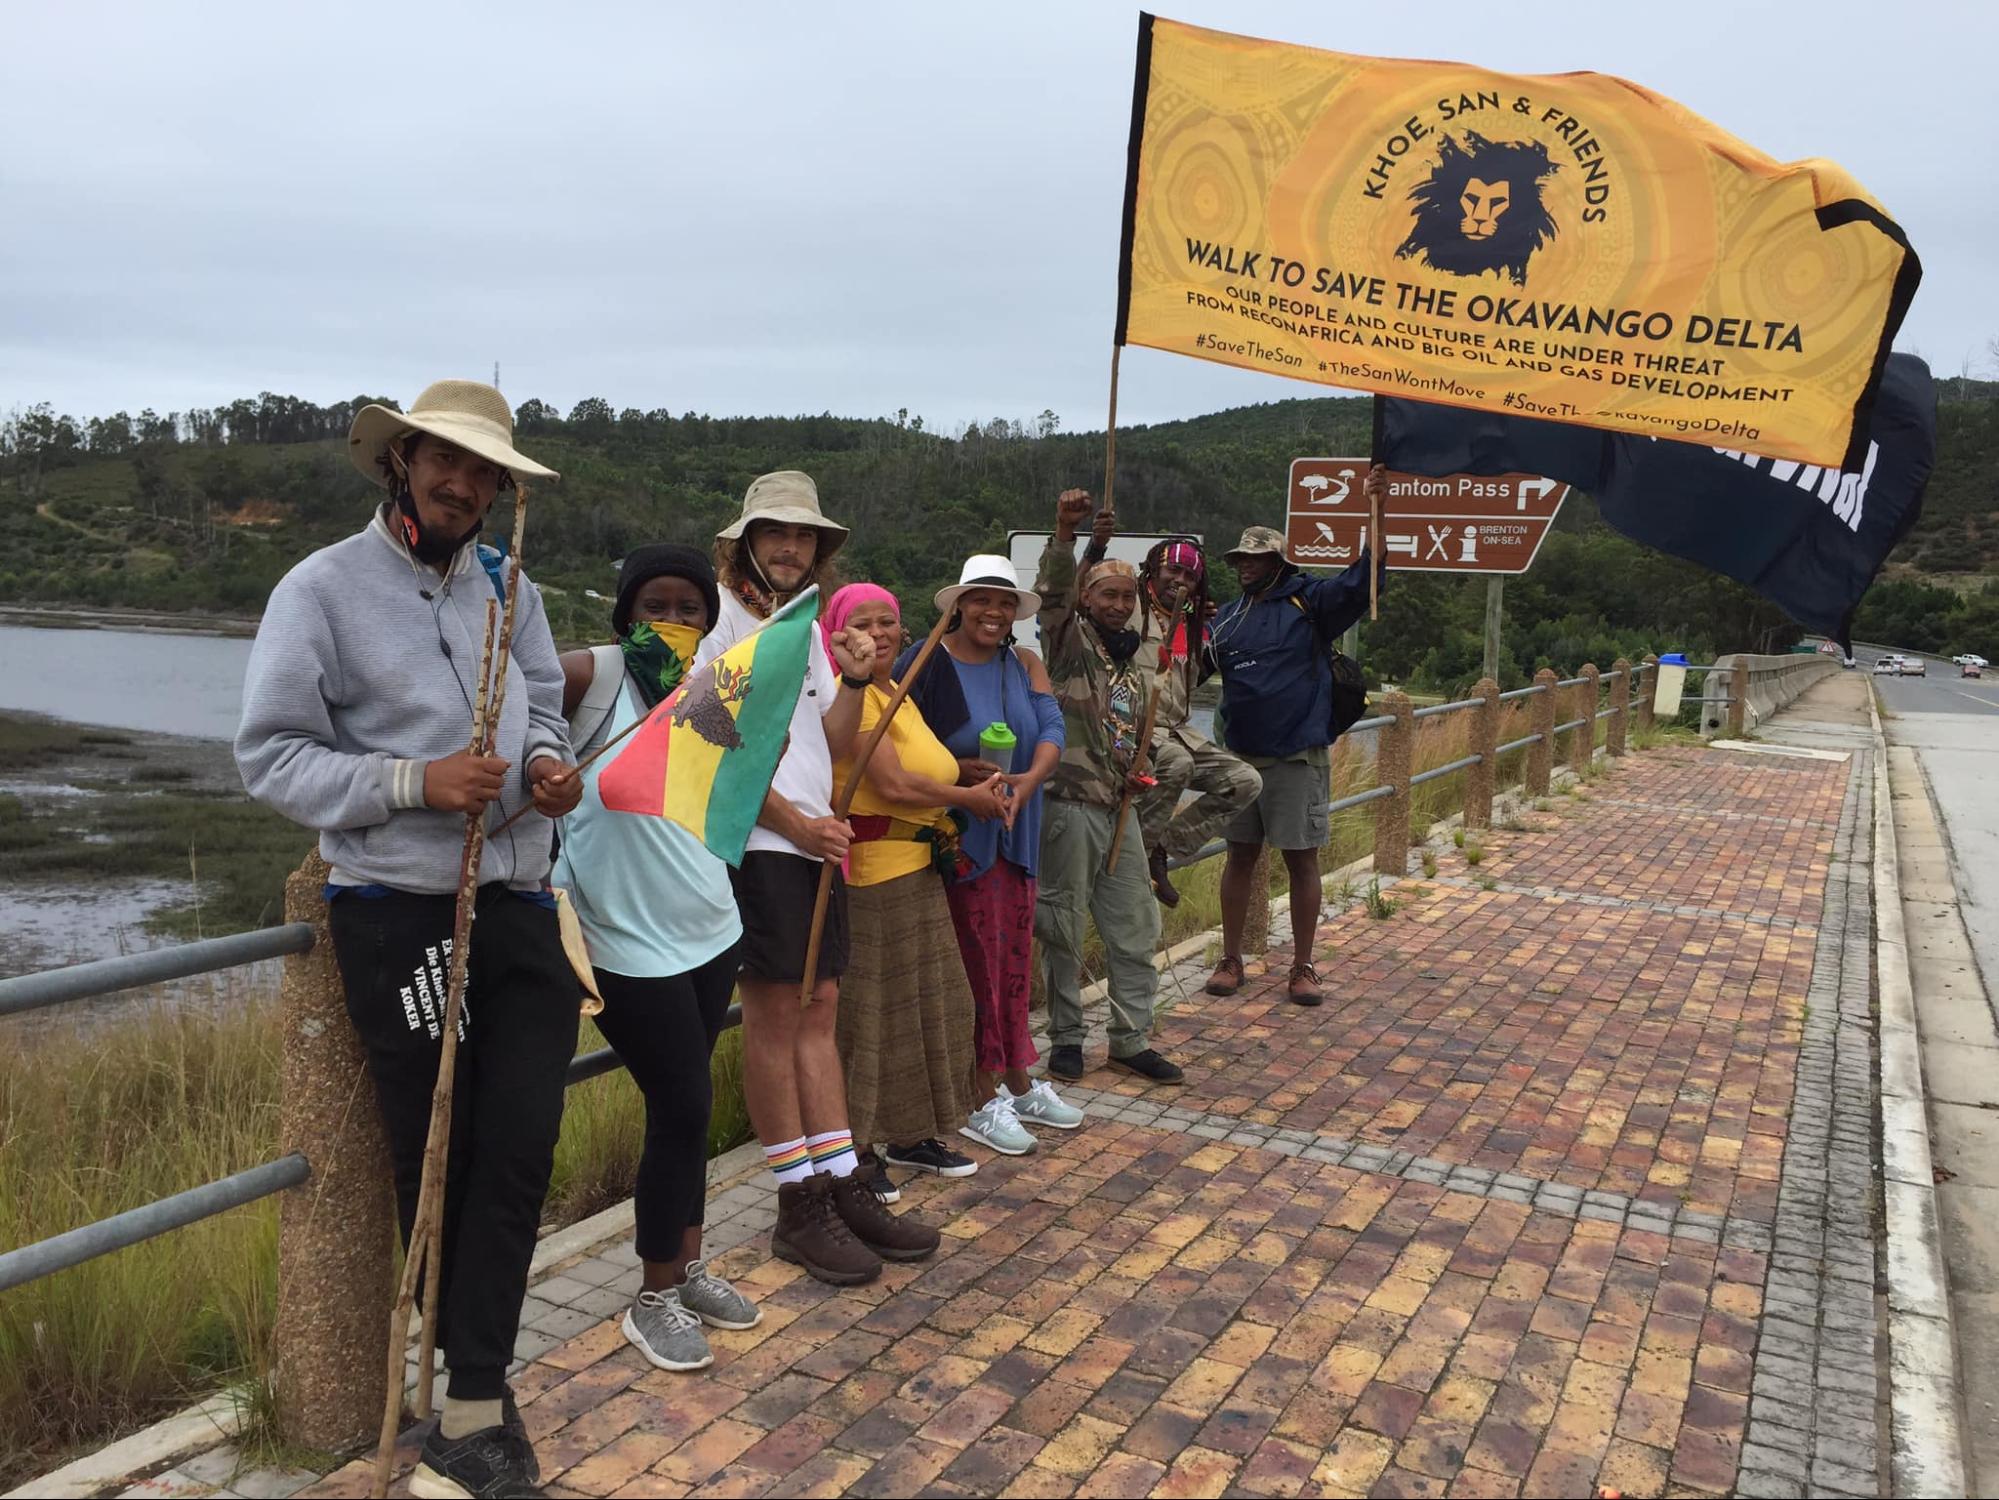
[660, 920]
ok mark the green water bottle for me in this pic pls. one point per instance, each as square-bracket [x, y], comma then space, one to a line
[996, 744]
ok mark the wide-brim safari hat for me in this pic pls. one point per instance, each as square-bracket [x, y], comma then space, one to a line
[786, 498]
[464, 413]
[1257, 541]
[987, 570]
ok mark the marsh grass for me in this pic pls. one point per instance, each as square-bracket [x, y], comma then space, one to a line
[101, 1124]
[150, 815]
[94, 1124]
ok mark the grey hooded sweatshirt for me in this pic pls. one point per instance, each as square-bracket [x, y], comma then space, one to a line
[358, 680]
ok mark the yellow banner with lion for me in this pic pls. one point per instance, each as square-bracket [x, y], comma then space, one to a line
[1571, 246]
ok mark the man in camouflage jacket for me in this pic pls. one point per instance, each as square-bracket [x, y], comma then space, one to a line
[1173, 615]
[1103, 684]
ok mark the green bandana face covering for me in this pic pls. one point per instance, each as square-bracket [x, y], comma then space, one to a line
[658, 656]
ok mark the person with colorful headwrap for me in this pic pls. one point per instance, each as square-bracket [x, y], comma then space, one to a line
[1174, 614]
[660, 922]
[1103, 685]
[905, 1023]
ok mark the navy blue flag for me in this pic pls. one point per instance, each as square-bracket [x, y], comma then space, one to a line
[1809, 540]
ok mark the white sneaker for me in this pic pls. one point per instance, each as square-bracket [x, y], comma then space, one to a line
[1041, 1105]
[994, 1124]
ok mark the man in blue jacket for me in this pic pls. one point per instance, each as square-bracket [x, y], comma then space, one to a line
[1273, 648]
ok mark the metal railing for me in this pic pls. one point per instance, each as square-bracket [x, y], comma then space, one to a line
[108, 976]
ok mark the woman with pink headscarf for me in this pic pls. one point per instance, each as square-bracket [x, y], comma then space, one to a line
[905, 1024]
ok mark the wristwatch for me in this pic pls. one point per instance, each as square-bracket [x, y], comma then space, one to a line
[858, 684]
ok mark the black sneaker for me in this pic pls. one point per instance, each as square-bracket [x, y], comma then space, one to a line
[931, 1156]
[1066, 1062]
[492, 1462]
[877, 1178]
[510, 1419]
[1149, 1064]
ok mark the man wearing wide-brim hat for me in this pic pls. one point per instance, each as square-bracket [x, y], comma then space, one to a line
[1273, 649]
[357, 710]
[829, 1219]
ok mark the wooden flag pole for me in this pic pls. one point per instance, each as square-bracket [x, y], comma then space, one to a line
[845, 800]
[425, 1249]
[582, 765]
[1110, 435]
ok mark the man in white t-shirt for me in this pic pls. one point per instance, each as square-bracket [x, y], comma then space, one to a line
[828, 1219]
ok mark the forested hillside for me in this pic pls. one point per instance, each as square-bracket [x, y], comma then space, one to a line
[204, 511]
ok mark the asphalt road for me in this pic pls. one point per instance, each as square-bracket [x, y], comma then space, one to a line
[1952, 723]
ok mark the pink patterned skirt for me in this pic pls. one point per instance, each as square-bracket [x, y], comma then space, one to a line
[994, 916]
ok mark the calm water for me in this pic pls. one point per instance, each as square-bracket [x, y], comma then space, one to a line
[126, 679]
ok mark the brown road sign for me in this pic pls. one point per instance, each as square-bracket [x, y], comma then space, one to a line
[1465, 523]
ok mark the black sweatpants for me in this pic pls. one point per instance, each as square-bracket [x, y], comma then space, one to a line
[521, 1005]
[664, 1031]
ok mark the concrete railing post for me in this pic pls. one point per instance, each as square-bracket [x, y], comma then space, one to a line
[1647, 686]
[1582, 739]
[1620, 704]
[336, 1232]
[1479, 779]
[1738, 696]
[1541, 754]
[1392, 756]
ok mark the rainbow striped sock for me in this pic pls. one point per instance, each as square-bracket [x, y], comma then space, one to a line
[789, 1161]
[833, 1153]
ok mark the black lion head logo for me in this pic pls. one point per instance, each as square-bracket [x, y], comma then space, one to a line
[1480, 209]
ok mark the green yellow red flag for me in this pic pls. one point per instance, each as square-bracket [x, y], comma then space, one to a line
[1566, 246]
[706, 754]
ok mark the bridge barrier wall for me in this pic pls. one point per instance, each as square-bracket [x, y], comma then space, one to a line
[1742, 690]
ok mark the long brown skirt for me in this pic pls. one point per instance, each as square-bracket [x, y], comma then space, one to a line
[905, 1019]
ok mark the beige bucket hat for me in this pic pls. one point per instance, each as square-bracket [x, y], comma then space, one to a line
[473, 416]
[1257, 539]
[988, 570]
[790, 498]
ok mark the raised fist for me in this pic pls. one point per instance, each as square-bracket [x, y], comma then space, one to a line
[1070, 511]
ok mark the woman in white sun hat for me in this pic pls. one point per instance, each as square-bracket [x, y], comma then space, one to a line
[984, 682]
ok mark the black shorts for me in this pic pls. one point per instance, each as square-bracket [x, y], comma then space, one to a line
[774, 893]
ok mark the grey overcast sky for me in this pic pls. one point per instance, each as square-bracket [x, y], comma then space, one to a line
[778, 208]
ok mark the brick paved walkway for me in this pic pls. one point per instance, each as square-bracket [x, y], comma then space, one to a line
[1511, 1214]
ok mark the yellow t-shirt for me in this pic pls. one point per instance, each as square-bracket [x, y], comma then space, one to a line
[921, 754]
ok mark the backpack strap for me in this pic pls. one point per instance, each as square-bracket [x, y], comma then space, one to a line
[493, 560]
[1312, 620]
[600, 700]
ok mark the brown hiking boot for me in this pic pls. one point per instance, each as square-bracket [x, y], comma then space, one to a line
[1227, 978]
[810, 1232]
[878, 1230]
[1162, 886]
[1305, 988]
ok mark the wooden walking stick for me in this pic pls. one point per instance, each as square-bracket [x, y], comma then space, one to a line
[436, 1146]
[1138, 762]
[1374, 562]
[845, 800]
[424, 1252]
